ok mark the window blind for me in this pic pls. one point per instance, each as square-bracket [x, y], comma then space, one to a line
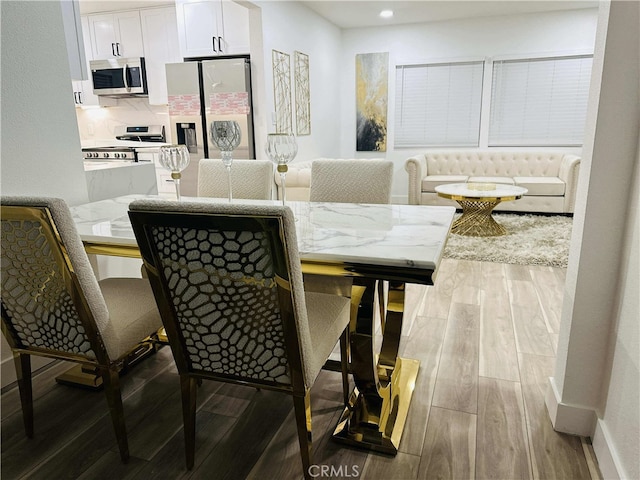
[539, 102]
[438, 104]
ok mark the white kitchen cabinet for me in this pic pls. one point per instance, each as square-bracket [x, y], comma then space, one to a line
[164, 181]
[83, 89]
[73, 37]
[117, 34]
[160, 39]
[212, 27]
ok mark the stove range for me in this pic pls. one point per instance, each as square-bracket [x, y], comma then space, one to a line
[145, 133]
[110, 153]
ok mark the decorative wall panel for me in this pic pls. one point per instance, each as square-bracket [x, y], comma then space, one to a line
[303, 97]
[282, 90]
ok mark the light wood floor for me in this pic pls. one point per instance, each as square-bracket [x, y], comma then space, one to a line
[485, 335]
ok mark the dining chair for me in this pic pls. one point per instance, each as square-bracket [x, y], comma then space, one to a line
[250, 179]
[53, 305]
[228, 282]
[351, 180]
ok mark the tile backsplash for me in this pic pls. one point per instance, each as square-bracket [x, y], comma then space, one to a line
[100, 123]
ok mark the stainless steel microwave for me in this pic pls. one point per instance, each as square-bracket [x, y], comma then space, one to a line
[119, 77]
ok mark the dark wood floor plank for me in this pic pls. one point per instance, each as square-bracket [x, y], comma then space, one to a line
[399, 467]
[449, 447]
[502, 445]
[281, 459]
[237, 453]
[41, 384]
[554, 455]
[457, 381]
[169, 462]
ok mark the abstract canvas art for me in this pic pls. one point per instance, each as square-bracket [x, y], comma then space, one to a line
[303, 105]
[371, 101]
[282, 90]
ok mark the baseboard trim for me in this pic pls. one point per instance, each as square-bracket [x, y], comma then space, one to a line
[571, 419]
[608, 460]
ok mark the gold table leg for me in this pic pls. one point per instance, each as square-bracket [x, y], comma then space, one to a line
[476, 219]
[378, 406]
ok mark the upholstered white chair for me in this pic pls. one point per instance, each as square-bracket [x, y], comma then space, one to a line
[251, 179]
[351, 181]
[228, 283]
[53, 305]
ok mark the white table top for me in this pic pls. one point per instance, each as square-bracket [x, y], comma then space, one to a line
[481, 190]
[389, 239]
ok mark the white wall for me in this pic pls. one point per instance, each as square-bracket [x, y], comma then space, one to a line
[287, 27]
[40, 143]
[595, 388]
[564, 32]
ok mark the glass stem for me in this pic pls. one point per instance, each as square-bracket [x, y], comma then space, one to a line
[229, 180]
[284, 185]
[176, 181]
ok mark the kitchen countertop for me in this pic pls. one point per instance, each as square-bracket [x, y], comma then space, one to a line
[90, 165]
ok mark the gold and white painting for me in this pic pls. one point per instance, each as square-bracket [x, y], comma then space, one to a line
[372, 71]
[282, 90]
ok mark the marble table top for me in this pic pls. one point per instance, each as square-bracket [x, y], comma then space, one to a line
[384, 237]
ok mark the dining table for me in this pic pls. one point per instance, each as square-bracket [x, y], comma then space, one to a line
[379, 248]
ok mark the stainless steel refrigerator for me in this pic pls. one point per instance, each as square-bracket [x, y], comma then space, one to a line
[200, 92]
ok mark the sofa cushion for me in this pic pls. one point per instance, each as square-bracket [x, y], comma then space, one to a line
[549, 186]
[503, 180]
[430, 182]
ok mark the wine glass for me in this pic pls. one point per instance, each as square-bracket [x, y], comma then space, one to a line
[281, 148]
[175, 158]
[226, 134]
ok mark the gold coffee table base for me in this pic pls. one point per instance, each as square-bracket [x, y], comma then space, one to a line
[476, 219]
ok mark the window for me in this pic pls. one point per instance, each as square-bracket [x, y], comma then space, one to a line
[438, 104]
[537, 102]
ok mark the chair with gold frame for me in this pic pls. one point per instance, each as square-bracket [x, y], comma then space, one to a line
[250, 179]
[53, 305]
[351, 180]
[228, 282]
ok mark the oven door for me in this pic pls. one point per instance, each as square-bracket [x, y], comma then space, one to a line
[119, 77]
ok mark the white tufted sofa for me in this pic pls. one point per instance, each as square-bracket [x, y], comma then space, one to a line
[550, 177]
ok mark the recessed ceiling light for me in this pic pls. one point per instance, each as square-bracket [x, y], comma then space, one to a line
[386, 13]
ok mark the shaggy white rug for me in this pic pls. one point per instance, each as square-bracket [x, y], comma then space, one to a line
[530, 240]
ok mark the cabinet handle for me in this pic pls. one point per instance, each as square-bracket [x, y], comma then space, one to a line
[118, 49]
[213, 40]
[113, 49]
[220, 44]
[75, 97]
[80, 98]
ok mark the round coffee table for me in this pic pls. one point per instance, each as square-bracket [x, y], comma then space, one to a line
[478, 201]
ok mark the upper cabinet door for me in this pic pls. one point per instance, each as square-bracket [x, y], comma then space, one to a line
[116, 35]
[212, 27]
[160, 35]
[235, 29]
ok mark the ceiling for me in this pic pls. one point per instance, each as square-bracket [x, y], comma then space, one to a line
[353, 14]
[361, 13]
